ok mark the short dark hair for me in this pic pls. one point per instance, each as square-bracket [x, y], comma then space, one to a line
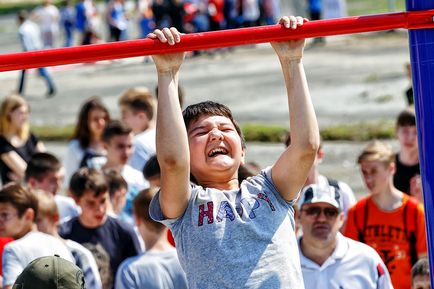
[23, 15]
[138, 99]
[151, 168]
[141, 209]
[86, 179]
[421, 268]
[20, 197]
[115, 128]
[407, 117]
[115, 181]
[195, 111]
[40, 165]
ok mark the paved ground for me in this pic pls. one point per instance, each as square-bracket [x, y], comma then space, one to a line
[352, 79]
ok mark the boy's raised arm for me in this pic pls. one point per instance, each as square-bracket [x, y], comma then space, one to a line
[172, 143]
[291, 169]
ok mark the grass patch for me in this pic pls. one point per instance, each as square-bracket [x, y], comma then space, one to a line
[357, 7]
[264, 133]
[360, 131]
[53, 133]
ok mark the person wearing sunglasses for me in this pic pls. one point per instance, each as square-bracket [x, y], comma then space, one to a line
[329, 259]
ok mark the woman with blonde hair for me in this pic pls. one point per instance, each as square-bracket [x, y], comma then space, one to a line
[17, 143]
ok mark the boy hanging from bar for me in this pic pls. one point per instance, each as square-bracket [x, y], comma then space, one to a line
[231, 235]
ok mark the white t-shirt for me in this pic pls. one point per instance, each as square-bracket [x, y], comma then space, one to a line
[144, 148]
[352, 265]
[19, 253]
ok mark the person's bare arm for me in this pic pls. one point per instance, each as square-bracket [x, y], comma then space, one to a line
[16, 163]
[40, 147]
[172, 144]
[291, 169]
[7, 287]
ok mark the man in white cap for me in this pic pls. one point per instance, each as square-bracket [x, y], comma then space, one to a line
[328, 259]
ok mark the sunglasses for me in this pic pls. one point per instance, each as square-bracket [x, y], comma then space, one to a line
[330, 213]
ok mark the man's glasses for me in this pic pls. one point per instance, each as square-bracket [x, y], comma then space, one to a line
[4, 217]
[330, 213]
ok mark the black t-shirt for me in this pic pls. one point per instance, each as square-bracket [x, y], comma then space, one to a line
[110, 244]
[403, 175]
[26, 151]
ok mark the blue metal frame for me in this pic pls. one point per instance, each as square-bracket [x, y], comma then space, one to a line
[422, 65]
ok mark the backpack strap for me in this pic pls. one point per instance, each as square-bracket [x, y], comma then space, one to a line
[361, 218]
[333, 183]
[410, 215]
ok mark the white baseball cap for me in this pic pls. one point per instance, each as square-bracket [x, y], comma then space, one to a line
[320, 194]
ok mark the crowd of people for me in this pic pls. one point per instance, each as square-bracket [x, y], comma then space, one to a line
[163, 198]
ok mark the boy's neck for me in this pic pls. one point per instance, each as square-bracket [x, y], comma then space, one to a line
[114, 166]
[26, 230]
[389, 200]
[89, 225]
[232, 184]
[158, 243]
[409, 157]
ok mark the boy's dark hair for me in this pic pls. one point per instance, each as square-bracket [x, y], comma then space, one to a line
[195, 111]
[138, 99]
[141, 209]
[86, 179]
[151, 168]
[82, 132]
[20, 197]
[421, 268]
[115, 181]
[115, 128]
[407, 117]
[23, 15]
[40, 165]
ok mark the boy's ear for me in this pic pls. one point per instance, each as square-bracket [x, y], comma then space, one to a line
[29, 215]
[243, 156]
[392, 168]
[31, 182]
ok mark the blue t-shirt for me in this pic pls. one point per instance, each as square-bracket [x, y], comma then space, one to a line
[110, 244]
[242, 238]
[152, 270]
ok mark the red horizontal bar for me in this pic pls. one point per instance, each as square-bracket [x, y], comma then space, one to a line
[223, 38]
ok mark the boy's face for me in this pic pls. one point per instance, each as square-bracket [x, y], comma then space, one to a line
[119, 149]
[215, 148]
[45, 223]
[407, 137]
[119, 200]
[11, 224]
[421, 282]
[93, 208]
[376, 175]
[50, 183]
[137, 121]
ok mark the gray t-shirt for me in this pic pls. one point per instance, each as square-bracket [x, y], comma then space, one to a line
[237, 239]
[151, 270]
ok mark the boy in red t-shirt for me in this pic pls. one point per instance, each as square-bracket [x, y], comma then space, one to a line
[388, 220]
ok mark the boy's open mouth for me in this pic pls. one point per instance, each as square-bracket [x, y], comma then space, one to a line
[217, 151]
